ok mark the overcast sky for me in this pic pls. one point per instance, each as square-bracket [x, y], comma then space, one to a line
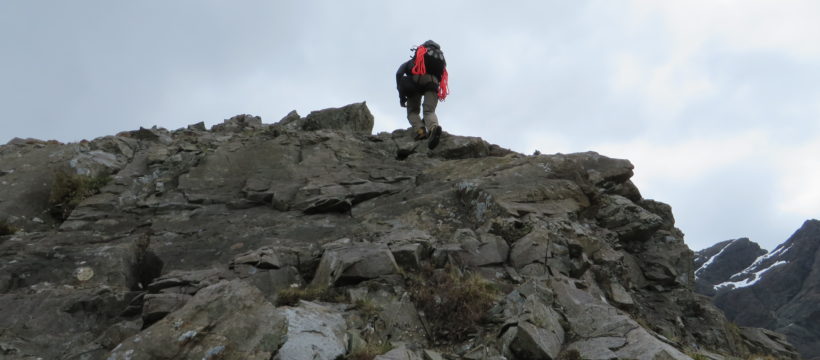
[715, 102]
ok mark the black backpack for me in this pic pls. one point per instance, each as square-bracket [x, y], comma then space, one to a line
[427, 59]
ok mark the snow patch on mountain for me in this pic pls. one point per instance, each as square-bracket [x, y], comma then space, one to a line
[705, 265]
[749, 279]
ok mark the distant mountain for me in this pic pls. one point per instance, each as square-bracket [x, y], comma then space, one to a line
[779, 290]
[717, 264]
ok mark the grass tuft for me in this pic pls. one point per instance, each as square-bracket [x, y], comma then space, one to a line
[571, 354]
[367, 308]
[453, 303]
[7, 229]
[69, 189]
[369, 351]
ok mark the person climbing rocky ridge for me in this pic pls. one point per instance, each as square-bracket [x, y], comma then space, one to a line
[312, 238]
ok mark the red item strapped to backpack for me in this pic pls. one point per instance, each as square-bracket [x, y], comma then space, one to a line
[443, 89]
[420, 69]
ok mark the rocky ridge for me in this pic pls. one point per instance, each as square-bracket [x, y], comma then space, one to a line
[311, 238]
[778, 291]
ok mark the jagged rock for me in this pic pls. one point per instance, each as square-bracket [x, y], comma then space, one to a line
[289, 119]
[225, 221]
[200, 126]
[263, 258]
[26, 186]
[314, 332]
[156, 306]
[353, 262]
[432, 355]
[532, 248]
[186, 282]
[629, 220]
[600, 348]
[408, 256]
[665, 259]
[483, 250]
[353, 117]
[239, 123]
[641, 345]
[590, 318]
[620, 296]
[340, 197]
[400, 353]
[227, 320]
[531, 342]
[460, 147]
[96, 162]
[765, 341]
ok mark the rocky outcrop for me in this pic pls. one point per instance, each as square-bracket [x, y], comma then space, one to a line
[313, 238]
[776, 291]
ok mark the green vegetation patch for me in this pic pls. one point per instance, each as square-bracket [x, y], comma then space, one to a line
[7, 229]
[453, 303]
[369, 351]
[69, 189]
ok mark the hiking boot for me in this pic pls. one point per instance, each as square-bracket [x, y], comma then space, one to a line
[421, 133]
[435, 134]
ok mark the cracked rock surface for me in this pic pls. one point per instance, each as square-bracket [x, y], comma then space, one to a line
[313, 238]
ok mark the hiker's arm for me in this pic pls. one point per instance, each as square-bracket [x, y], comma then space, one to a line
[400, 73]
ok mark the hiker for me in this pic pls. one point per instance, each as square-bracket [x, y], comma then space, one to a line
[423, 77]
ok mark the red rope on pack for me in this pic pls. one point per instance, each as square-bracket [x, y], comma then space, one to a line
[443, 88]
[418, 67]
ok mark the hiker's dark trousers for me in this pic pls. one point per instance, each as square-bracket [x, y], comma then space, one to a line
[415, 105]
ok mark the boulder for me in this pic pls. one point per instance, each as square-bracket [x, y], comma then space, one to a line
[355, 118]
[531, 342]
[262, 258]
[354, 262]
[483, 250]
[590, 318]
[629, 220]
[96, 163]
[157, 306]
[227, 320]
[601, 348]
[314, 332]
[532, 248]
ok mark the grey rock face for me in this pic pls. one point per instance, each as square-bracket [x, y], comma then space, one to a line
[354, 117]
[313, 332]
[201, 237]
[354, 262]
[211, 326]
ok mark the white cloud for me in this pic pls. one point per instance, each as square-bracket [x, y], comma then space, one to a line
[799, 170]
[667, 88]
[789, 27]
[687, 160]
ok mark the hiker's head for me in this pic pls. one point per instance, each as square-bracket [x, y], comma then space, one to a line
[431, 44]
